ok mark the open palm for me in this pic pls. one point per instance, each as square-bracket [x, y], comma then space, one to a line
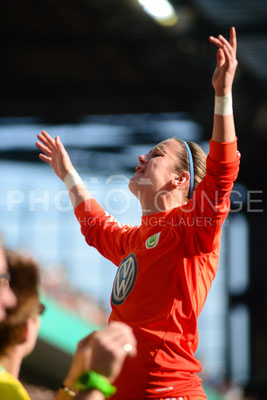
[55, 154]
[224, 73]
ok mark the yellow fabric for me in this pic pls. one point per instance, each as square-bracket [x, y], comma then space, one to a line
[11, 388]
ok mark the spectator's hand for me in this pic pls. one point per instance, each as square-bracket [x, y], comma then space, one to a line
[55, 154]
[103, 352]
[224, 73]
[81, 361]
[109, 351]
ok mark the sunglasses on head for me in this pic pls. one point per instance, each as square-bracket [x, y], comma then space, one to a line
[4, 280]
[41, 309]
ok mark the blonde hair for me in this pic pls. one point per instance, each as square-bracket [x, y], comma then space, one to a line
[199, 161]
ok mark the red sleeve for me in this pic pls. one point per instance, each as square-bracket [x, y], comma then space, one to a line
[102, 231]
[223, 151]
[206, 211]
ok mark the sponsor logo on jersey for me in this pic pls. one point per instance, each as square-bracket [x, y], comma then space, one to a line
[152, 241]
[124, 280]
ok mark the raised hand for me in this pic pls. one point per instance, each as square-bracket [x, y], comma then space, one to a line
[224, 73]
[55, 154]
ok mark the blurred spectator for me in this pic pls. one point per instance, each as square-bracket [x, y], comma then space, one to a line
[56, 284]
[103, 351]
[18, 333]
[7, 297]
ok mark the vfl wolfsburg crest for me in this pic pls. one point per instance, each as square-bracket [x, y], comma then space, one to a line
[152, 241]
[124, 279]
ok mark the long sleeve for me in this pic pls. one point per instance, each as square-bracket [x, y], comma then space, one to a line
[205, 213]
[102, 231]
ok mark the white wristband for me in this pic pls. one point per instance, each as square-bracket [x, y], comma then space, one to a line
[223, 105]
[72, 179]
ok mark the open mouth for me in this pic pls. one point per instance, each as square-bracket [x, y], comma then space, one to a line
[139, 169]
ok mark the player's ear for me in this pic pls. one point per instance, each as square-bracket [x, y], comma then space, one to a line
[180, 179]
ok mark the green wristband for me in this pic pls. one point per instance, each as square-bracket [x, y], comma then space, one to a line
[92, 380]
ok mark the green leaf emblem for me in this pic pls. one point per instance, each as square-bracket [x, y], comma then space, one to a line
[152, 241]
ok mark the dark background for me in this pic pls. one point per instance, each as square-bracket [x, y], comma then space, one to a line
[61, 60]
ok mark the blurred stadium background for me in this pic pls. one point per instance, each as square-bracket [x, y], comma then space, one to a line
[113, 78]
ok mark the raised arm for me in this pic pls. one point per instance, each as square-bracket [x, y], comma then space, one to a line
[55, 154]
[222, 81]
[99, 228]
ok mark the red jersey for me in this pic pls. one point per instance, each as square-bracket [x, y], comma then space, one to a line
[166, 268]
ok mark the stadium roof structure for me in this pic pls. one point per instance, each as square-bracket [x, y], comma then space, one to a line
[61, 60]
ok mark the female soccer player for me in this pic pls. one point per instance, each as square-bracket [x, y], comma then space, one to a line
[167, 264]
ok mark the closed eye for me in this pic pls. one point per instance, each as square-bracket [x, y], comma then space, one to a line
[156, 154]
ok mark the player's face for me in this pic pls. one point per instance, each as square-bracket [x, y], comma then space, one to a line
[7, 297]
[156, 169]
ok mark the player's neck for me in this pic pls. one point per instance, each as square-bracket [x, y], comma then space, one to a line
[159, 203]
